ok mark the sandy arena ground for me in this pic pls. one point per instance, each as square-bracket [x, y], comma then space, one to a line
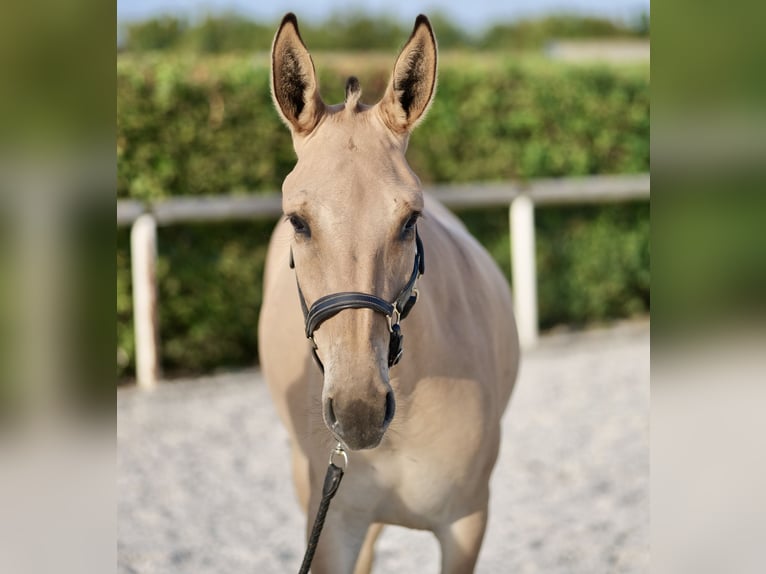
[204, 482]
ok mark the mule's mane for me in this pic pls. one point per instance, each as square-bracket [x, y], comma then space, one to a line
[353, 91]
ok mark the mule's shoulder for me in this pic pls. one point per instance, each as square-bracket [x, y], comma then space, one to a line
[461, 252]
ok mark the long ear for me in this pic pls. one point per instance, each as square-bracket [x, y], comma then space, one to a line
[412, 84]
[294, 84]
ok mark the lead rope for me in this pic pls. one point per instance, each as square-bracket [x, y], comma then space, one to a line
[331, 483]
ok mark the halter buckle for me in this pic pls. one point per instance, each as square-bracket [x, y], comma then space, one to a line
[393, 319]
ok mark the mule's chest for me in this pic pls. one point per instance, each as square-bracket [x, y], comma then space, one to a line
[417, 488]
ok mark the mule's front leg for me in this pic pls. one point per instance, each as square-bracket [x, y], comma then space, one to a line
[341, 539]
[461, 541]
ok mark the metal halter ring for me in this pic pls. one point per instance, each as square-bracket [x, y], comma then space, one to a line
[339, 451]
[393, 319]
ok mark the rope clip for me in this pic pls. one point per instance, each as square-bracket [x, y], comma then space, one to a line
[339, 451]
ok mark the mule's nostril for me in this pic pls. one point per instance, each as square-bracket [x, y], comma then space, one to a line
[330, 413]
[390, 408]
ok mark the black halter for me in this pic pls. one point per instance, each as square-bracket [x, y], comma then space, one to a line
[330, 305]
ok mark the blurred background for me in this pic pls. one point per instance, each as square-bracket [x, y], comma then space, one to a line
[58, 105]
[527, 90]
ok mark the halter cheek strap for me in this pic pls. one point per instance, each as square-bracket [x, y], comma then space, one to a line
[330, 305]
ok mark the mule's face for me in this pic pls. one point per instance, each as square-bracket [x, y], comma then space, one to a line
[353, 203]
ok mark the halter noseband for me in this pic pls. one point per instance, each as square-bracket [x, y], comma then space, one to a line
[330, 305]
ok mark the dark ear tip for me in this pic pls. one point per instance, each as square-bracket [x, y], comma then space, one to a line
[422, 20]
[289, 18]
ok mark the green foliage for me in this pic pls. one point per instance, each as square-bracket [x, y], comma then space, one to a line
[210, 280]
[526, 34]
[354, 31]
[593, 263]
[216, 35]
[190, 126]
[197, 129]
[164, 33]
[522, 122]
[357, 31]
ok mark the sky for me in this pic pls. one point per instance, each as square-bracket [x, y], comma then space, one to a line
[473, 14]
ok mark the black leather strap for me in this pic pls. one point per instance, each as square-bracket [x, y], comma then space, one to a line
[331, 483]
[330, 305]
[406, 299]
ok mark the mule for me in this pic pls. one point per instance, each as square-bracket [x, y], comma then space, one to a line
[423, 434]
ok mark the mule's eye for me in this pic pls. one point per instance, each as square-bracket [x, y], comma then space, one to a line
[299, 225]
[409, 225]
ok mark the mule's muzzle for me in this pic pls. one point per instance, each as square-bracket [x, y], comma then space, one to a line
[357, 423]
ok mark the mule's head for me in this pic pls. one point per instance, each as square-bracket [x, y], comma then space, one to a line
[353, 203]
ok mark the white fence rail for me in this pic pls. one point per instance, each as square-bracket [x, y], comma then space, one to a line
[521, 199]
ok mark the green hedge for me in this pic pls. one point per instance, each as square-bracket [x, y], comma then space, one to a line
[207, 126]
[353, 30]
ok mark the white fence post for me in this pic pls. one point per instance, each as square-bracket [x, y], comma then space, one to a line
[143, 245]
[524, 269]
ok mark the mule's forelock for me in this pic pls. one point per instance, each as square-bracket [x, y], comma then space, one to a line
[353, 91]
